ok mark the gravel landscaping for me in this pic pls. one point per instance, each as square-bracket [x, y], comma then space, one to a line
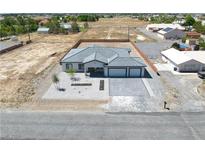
[90, 92]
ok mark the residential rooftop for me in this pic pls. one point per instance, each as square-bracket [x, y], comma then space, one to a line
[108, 55]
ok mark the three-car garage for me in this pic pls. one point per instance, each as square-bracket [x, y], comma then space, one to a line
[126, 72]
[117, 72]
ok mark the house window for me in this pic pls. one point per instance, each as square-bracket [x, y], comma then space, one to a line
[80, 66]
[69, 66]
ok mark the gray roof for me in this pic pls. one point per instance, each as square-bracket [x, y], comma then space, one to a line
[7, 44]
[43, 29]
[127, 61]
[101, 53]
[107, 55]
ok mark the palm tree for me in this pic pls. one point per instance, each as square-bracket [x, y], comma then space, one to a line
[55, 80]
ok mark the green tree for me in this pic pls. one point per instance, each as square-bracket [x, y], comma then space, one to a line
[202, 44]
[86, 26]
[199, 27]
[75, 27]
[175, 45]
[184, 39]
[10, 22]
[54, 25]
[189, 20]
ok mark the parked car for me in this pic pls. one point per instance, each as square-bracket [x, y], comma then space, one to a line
[201, 75]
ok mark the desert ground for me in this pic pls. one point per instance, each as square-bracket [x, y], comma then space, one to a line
[22, 70]
[116, 28]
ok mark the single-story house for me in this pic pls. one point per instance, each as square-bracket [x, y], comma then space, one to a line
[184, 61]
[43, 30]
[170, 33]
[104, 61]
[155, 27]
[192, 38]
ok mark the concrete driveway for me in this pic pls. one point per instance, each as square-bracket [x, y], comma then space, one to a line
[127, 87]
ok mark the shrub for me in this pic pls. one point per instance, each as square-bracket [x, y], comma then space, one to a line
[184, 40]
[71, 72]
[175, 45]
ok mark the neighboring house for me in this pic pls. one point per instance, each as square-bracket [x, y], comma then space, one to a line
[179, 21]
[193, 35]
[158, 27]
[43, 30]
[170, 33]
[184, 61]
[66, 26]
[192, 38]
[106, 61]
[9, 45]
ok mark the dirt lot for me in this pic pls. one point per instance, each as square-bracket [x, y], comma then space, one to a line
[115, 28]
[20, 68]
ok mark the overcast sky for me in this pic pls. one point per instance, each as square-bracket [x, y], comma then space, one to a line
[102, 6]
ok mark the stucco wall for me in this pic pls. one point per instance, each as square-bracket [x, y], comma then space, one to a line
[93, 64]
[192, 66]
[75, 67]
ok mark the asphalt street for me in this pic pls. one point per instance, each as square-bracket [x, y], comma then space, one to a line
[78, 125]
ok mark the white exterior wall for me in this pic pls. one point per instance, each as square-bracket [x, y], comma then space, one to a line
[75, 67]
[93, 64]
[63, 67]
[189, 66]
[160, 36]
[192, 66]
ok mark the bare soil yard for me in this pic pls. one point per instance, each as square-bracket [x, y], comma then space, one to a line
[115, 28]
[20, 68]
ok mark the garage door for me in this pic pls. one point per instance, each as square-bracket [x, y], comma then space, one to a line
[117, 72]
[135, 72]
